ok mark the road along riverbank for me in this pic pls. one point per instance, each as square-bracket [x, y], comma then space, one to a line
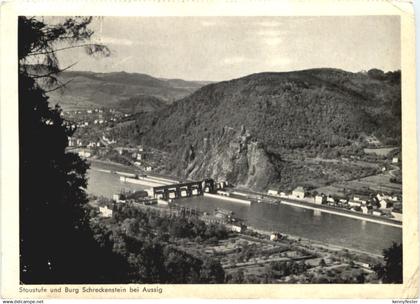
[305, 223]
[321, 208]
[316, 225]
[240, 196]
[312, 242]
[345, 213]
[228, 198]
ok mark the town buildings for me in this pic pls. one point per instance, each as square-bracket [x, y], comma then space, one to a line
[105, 211]
[320, 199]
[299, 192]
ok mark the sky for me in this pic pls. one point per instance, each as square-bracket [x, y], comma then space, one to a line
[222, 48]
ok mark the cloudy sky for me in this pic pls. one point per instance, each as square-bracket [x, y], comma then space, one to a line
[221, 48]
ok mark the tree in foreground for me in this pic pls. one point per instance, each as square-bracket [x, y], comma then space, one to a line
[392, 270]
[56, 245]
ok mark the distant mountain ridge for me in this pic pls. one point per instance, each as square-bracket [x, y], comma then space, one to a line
[243, 129]
[91, 89]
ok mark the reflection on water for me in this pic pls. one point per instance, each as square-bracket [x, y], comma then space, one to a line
[363, 225]
[306, 223]
[312, 224]
[106, 184]
[317, 213]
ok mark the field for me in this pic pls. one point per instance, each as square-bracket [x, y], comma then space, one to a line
[379, 151]
[255, 259]
[375, 183]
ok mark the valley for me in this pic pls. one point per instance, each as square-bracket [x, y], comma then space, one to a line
[129, 92]
[212, 150]
[319, 129]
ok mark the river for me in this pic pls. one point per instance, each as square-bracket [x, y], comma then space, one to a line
[311, 224]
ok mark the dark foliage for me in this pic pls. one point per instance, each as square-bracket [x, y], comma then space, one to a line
[141, 103]
[392, 270]
[176, 227]
[58, 242]
[142, 238]
[55, 241]
[281, 269]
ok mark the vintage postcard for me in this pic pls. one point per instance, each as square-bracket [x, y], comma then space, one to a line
[208, 149]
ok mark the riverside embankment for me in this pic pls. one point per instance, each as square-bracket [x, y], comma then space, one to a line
[323, 208]
[343, 212]
[310, 224]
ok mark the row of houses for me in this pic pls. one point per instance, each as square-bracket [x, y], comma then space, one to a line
[141, 196]
[130, 150]
[77, 142]
[379, 205]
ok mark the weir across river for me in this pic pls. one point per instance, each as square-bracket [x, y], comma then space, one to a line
[305, 223]
[175, 191]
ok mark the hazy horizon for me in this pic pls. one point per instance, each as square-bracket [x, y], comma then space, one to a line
[224, 48]
[213, 81]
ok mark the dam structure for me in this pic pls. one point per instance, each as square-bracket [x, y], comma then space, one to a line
[182, 190]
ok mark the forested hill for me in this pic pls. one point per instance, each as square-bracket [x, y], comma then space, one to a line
[90, 89]
[316, 110]
[140, 103]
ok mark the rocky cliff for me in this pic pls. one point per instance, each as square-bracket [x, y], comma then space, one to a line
[234, 156]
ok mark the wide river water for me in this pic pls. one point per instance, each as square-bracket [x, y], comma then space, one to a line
[311, 224]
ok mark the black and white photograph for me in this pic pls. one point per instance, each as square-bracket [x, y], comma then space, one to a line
[210, 150]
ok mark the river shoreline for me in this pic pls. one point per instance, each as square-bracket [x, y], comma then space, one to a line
[228, 198]
[285, 201]
[295, 203]
[338, 212]
[332, 239]
[313, 242]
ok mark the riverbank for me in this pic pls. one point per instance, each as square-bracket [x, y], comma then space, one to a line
[264, 235]
[114, 166]
[303, 240]
[228, 198]
[342, 212]
[110, 165]
[155, 180]
[323, 208]
[302, 222]
[254, 255]
[140, 181]
[312, 242]
[130, 174]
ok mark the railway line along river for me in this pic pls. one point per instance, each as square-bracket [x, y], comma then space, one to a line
[306, 223]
